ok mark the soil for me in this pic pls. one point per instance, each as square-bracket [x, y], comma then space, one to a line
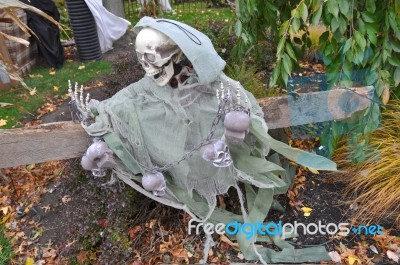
[93, 222]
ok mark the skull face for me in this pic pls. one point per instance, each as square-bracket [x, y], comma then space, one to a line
[236, 126]
[218, 153]
[157, 53]
[155, 183]
[98, 158]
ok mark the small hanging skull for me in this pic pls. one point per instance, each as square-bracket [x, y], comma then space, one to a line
[154, 182]
[98, 158]
[157, 53]
[236, 126]
[218, 153]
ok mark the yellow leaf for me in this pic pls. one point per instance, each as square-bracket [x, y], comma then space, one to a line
[29, 261]
[3, 122]
[5, 105]
[52, 71]
[35, 76]
[306, 210]
[385, 94]
[5, 215]
[30, 167]
[353, 259]
[33, 91]
[81, 67]
[314, 171]
[55, 88]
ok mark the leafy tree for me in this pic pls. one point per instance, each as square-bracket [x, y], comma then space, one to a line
[361, 42]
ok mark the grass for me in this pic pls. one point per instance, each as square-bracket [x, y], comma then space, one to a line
[5, 248]
[48, 84]
[374, 185]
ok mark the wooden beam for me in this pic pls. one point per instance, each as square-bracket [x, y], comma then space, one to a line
[52, 141]
[63, 140]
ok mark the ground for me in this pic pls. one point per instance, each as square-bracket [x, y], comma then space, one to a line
[74, 218]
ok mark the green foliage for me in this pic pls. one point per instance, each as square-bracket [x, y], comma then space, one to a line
[361, 42]
[47, 84]
[5, 248]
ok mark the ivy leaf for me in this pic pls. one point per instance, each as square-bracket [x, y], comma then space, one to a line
[317, 16]
[303, 12]
[360, 40]
[396, 76]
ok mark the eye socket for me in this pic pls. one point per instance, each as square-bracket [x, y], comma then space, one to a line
[150, 57]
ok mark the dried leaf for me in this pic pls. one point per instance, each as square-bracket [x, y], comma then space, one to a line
[3, 122]
[46, 208]
[385, 94]
[335, 256]
[33, 91]
[393, 255]
[5, 105]
[225, 239]
[52, 71]
[352, 259]
[306, 210]
[81, 67]
[29, 261]
[55, 88]
[35, 76]
[373, 249]
[66, 199]
[314, 171]
[50, 253]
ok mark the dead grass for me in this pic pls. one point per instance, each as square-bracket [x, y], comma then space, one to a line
[374, 186]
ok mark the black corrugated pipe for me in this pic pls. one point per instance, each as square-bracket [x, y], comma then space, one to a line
[84, 29]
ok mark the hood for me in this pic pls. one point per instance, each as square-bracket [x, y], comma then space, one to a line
[196, 46]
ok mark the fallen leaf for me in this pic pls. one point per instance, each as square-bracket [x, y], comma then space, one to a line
[82, 257]
[335, 256]
[134, 231]
[393, 255]
[240, 256]
[3, 122]
[55, 88]
[385, 94]
[66, 199]
[35, 76]
[5, 105]
[352, 259]
[30, 167]
[40, 262]
[225, 239]
[373, 248]
[29, 261]
[50, 253]
[81, 67]
[52, 71]
[33, 91]
[46, 208]
[306, 210]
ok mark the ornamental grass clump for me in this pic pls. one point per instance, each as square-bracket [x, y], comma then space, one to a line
[374, 185]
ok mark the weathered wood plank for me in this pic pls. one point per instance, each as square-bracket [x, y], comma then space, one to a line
[52, 141]
[336, 104]
[56, 141]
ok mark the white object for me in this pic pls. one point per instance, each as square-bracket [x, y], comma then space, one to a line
[157, 53]
[109, 26]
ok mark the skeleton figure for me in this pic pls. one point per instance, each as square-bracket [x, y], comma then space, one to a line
[171, 124]
[157, 54]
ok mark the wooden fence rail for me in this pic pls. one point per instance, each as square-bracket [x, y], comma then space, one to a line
[63, 140]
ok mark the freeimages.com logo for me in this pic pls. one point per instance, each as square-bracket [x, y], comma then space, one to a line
[284, 230]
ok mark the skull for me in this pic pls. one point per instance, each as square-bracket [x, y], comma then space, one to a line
[98, 158]
[155, 183]
[157, 53]
[236, 126]
[218, 153]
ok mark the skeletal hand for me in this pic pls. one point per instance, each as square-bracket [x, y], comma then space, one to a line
[98, 158]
